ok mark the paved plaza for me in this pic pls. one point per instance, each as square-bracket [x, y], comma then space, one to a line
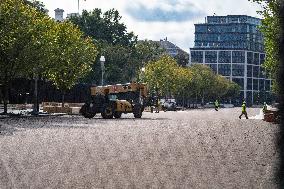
[185, 149]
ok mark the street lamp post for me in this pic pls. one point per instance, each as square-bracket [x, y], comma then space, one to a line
[143, 74]
[102, 60]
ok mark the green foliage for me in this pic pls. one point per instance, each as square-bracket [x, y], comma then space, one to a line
[34, 44]
[16, 30]
[125, 56]
[38, 5]
[182, 58]
[104, 27]
[115, 43]
[72, 54]
[148, 51]
[168, 78]
[161, 75]
[233, 91]
[271, 29]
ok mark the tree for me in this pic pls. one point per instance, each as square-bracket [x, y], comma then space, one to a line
[184, 83]
[182, 58]
[39, 6]
[166, 77]
[113, 41]
[147, 50]
[271, 28]
[73, 56]
[104, 27]
[233, 91]
[220, 87]
[32, 44]
[203, 80]
[160, 75]
[16, 31]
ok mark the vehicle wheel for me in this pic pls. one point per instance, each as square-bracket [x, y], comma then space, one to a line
[137, 111]
[86, 111]
[117, 115]
[107, 112]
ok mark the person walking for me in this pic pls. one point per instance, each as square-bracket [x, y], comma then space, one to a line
[244, 111]
[157, 105]
[216, 105]
[264, 108]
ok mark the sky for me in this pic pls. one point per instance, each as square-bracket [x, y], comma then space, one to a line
[160, 19]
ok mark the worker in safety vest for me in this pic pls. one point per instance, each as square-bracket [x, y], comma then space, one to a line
[216, 105]
[244, 111]
[264, 108]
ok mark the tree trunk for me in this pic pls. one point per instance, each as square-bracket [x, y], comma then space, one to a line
[63, 98]
[36, 106]
[5, 97]
[196, 100]
[182, 101]
[202, 102]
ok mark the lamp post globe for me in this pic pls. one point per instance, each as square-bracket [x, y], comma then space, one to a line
[102, 60]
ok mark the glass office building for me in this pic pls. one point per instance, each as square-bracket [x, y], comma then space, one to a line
[233, 47]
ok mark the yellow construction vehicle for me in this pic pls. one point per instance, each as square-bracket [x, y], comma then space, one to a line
[113, 100]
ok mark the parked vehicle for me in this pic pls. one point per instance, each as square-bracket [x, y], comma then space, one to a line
[169, 106]
[113, 100]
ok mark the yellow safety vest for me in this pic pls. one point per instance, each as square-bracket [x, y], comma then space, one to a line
[243, 108]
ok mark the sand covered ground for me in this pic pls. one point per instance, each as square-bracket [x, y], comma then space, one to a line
[186, 149]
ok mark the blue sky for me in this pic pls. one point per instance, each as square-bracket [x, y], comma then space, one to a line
[158, 19]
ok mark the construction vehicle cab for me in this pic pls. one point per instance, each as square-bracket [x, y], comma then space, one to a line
[113, 100]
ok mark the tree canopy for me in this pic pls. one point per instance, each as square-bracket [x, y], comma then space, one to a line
[165, 77]
[271, 29]
[34, 44]
[124, 55]
[104, 27]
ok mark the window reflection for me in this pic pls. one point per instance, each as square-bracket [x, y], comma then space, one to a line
[211, 56]
[238, 70]
[224, 56]
[224, 69]
[197, 56]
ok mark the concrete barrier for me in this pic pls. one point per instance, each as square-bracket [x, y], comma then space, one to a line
[56, 107]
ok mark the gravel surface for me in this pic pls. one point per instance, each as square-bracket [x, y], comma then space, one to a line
[190, 149]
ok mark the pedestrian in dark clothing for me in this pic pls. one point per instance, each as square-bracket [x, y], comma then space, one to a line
[157, 105]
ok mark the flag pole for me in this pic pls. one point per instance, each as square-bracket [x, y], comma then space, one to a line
[78, 6]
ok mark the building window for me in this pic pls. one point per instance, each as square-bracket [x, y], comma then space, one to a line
[262, 58]
[238, 70]
[239, 81]
[261, 85]
[250, 58]
[255, 71]
[255, 84]
[249, 84]
[249, 96]
[210, 56]
[256, 59]
[201, 28]
[261, 72]
[197, 56]
[224, 56]
[224, 69]
[249, 71]
[238, 57]
[267, 85]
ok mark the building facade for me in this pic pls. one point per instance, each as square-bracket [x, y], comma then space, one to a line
[233, 47]
[171, 49]
[59, 14]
